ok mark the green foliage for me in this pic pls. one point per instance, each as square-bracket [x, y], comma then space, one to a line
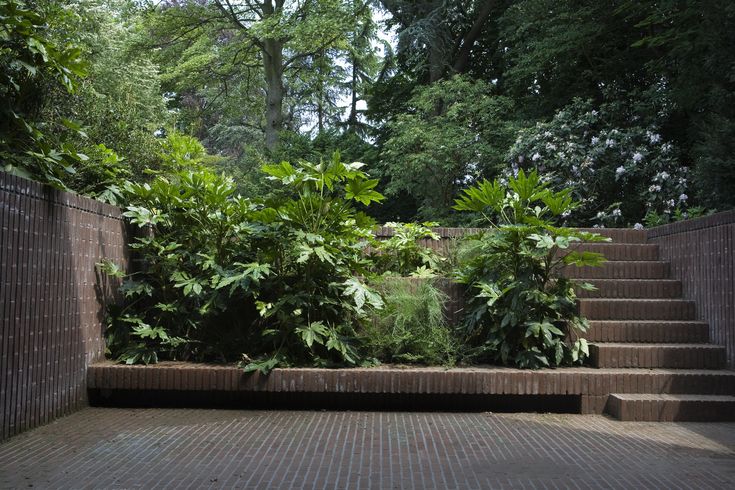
[657, 219]
[194, 294]
[119, 103]
[101, 176]
[221, 276]
[714, 173]
[617, 169]
[439, 144]
[403, 253]
[315, 240]
[411, 328]
[561, 49]
[521, 310]
[29, 60]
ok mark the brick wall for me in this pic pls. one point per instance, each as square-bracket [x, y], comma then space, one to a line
[702, 256]
[52, 299]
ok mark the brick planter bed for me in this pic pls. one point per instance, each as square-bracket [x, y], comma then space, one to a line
[582, 390]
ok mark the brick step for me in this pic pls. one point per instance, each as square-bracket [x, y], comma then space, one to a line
[621, 235]
[636, 309]
[621, 269]
[653, 331]
[621, 251]
[681, 356]
[633, 288]
[671, 408]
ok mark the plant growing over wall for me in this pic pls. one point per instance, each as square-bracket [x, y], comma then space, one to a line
[403, 253]
[221, 276]
[521, 310]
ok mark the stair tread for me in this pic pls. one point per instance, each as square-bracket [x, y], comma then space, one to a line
[658, 345]
[638, 300]
[628, 279]
[672, 397]
[631, 262]
[653, 322]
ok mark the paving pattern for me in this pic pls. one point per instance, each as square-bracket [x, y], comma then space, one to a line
[186, 448]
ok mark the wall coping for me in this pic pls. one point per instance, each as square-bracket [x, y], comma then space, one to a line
[12, 184]
[714, 220]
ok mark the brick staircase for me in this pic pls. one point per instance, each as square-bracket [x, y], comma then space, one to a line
[638, 319]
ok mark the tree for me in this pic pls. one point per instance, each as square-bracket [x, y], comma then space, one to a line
[431, 153]
[278, 38]
[31, 62]
[119, 102]
[440, 37]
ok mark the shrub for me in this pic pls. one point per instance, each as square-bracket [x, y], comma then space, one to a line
[193, 296]
[617, 169]
[222, 276]
[520, 310]
[315, 240]
[411, 328]
[403, 254]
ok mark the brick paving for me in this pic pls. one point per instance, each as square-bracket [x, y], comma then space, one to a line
[187, 448]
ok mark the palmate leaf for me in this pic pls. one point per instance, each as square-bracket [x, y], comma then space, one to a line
[252, 272]
[363, 191]
[263, 366]
[284, 171]
[110, 268]
[584, 258]
[483, 195]
[131, 288]
[314, 332]
[528, 186]
[587, 236]
[559, 202]
[361, 294]
[336, 343]
[142, 216]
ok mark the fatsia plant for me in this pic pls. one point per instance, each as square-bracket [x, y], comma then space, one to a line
[404, 254]
[522, 310]
[315, 296]
[193, 294]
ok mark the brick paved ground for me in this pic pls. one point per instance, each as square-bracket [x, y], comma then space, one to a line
[159, 448]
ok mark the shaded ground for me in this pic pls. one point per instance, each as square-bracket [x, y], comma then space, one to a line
[180, 448]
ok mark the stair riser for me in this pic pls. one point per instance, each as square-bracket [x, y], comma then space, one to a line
[671, 410]
[621, 251]
[707, 384]
[620, 235]
[647, 332]
[657, 357]
[620, 270]
[632, 288]
[637, 310]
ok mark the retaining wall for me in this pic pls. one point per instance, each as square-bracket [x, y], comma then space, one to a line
[702, 256]
[52, 298]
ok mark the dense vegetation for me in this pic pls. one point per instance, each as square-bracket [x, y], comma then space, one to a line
[630, 100]
[224, 128]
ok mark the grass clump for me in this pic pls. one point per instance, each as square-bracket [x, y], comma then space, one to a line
[411, 327]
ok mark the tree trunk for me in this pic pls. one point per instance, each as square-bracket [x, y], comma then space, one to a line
[352, 121]
[273, 67]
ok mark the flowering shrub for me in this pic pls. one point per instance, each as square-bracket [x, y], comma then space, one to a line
[617, 174]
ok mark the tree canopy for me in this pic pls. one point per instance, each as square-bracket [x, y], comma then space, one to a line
[633, 98]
